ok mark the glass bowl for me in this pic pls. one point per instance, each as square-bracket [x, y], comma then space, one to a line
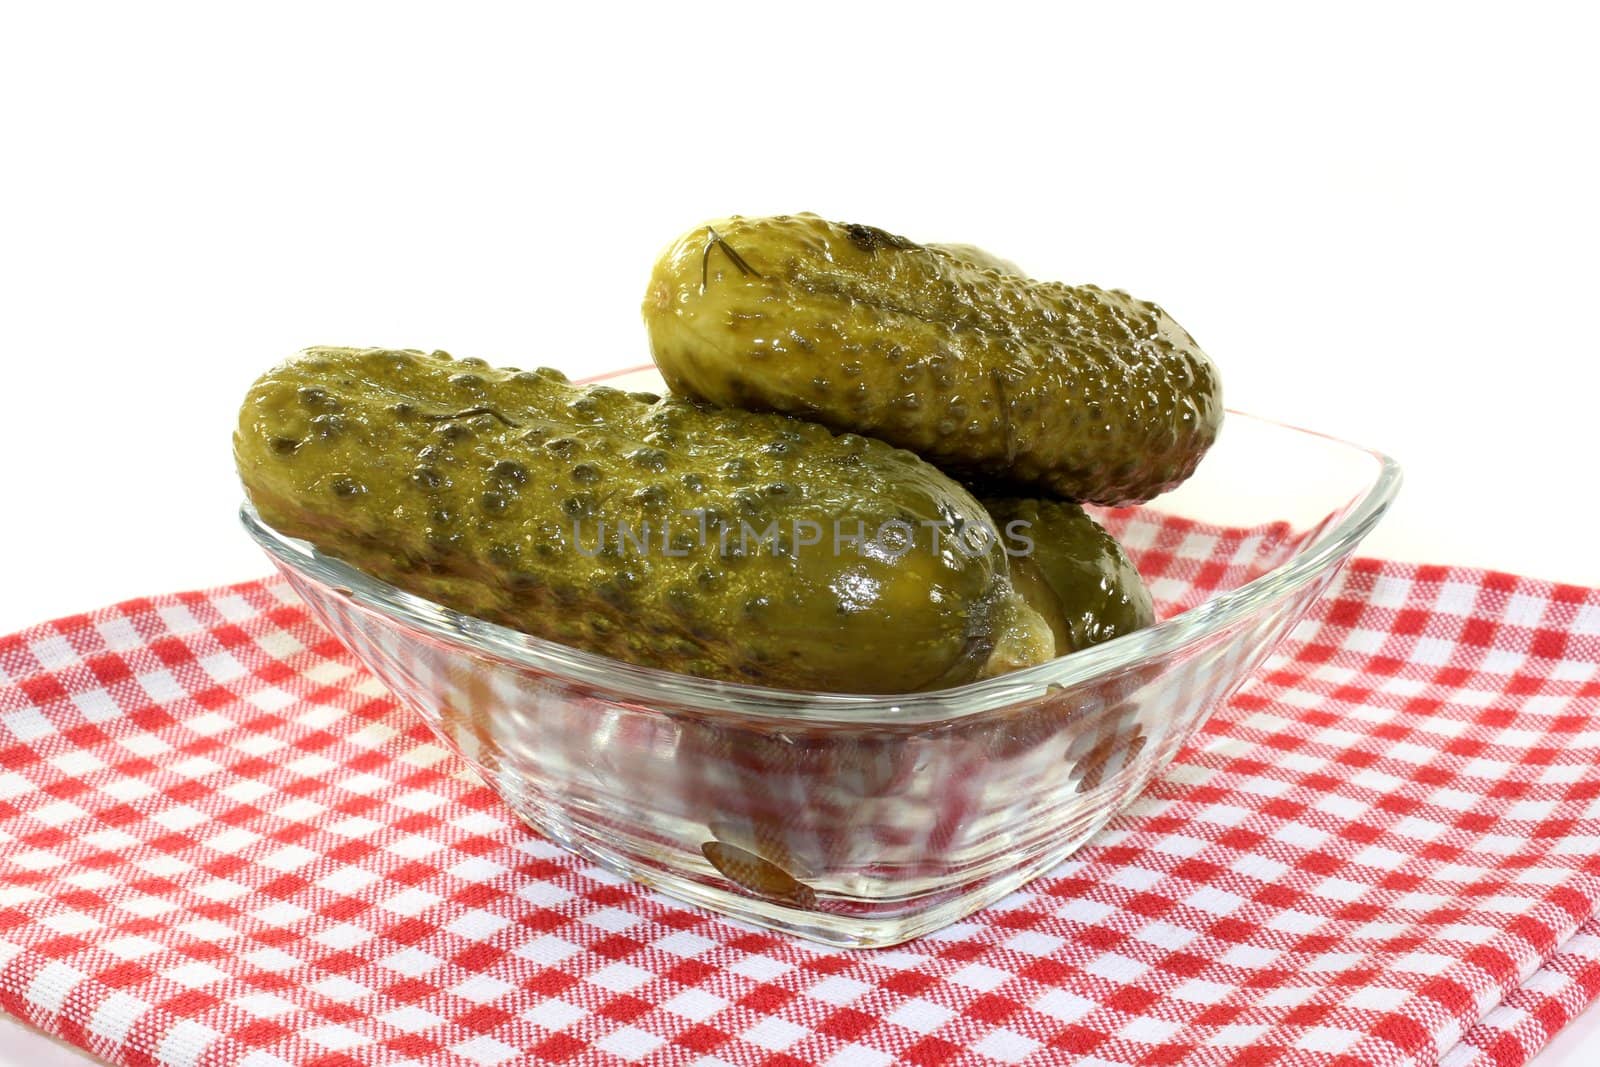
[869, 820]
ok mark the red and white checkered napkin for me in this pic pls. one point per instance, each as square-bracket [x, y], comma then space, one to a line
[221, 842]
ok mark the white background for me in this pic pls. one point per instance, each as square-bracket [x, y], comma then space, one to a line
[1380, 221]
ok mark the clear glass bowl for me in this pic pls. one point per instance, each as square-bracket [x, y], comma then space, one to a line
[869, 820]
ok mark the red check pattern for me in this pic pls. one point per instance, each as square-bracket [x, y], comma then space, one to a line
[221, 842]
[1535, 1011]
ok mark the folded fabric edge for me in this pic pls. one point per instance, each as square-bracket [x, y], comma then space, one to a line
[1530, 1015]
[45, 1003]
[78, 620]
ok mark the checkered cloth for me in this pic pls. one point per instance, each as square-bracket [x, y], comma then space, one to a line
[221, 842]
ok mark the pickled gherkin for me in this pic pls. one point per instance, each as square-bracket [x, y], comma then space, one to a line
[1081, 392]
[726, 544]
[1073, 572]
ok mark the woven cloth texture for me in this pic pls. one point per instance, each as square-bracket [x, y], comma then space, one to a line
[222, 842]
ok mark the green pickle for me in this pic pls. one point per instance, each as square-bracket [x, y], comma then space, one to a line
[504, 494]
[1072, 572]
[1081, 392]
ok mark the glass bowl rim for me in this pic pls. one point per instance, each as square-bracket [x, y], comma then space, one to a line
[652, 686]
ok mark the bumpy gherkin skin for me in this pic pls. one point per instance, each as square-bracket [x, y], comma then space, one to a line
[1074, 573]
[980, 258]
[1086, 393]
[484, 490]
